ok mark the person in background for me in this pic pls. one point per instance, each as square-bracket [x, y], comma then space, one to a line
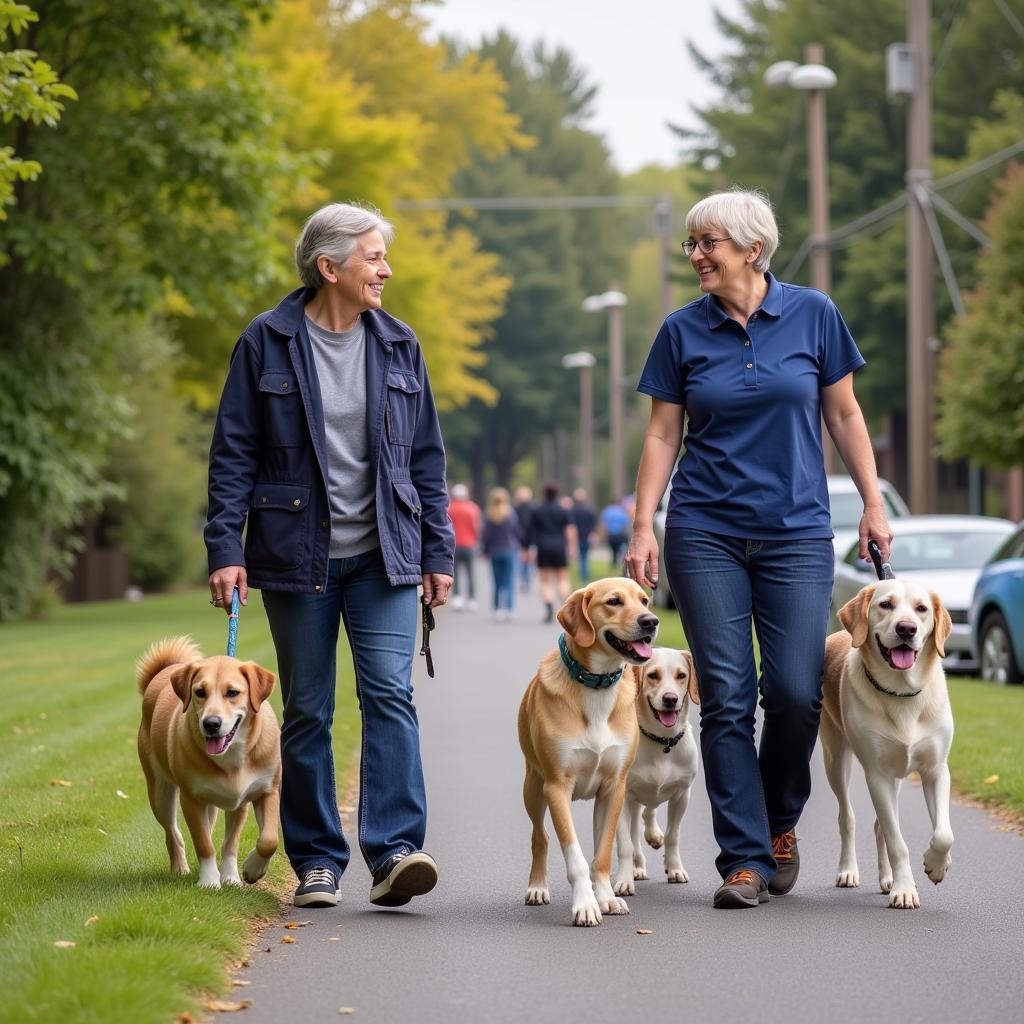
[553, 534]
[585, 519]
[523, 508]
[501, 546]
[466, 520]
[615, 524]
[754, 366]
[327, 452]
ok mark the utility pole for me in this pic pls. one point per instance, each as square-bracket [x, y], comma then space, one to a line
[920, 270]
[616, 376]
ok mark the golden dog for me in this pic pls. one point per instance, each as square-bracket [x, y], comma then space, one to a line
[208, 735]
[578, 731]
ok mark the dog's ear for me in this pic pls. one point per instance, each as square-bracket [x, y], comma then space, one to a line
[261, 682]
[692, 688]
[181, 683]
[574, 617]
[854, 615]
[943, 625]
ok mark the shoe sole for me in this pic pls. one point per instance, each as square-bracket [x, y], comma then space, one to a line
[732, 900]
[316, 899]
[414, 876]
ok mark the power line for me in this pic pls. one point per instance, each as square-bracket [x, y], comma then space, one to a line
[1011, 17]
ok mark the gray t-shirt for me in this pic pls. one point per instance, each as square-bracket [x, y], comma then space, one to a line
[351, 487]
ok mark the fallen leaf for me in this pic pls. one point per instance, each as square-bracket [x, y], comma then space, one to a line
[227, 1006]
[245, 963]
[185, 1018]
[123, 796]
[64, 944]
[288, 938]
[644, 931]
[347, 1011]
[991, 779]
[291, 924]
[334, 938]
[92, 920]
[240, 982]
[60, 782]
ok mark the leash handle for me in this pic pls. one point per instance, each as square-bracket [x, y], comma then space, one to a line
[233, 624]
[883, 570]
[428, 625]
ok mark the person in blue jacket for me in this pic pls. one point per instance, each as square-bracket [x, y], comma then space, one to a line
[754, 365]
[327, 451]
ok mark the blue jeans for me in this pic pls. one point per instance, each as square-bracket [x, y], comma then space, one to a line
[503, 568]
[380, 621]
[584, 550]
[721, 585]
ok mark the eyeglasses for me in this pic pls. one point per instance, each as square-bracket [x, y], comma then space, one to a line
[706, 245]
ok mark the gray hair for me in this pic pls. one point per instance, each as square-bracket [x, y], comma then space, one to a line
[332, 232]
[745, 215]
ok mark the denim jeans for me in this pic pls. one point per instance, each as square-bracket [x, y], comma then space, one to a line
[584, 550]
[503, 568]
[464, 560]
[380, 621]
[722, 585]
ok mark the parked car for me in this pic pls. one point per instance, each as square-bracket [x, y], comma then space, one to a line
[997, 613]
[944, 554]
[846, 508]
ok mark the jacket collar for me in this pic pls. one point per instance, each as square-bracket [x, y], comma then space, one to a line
[287, 317]
[772, 304]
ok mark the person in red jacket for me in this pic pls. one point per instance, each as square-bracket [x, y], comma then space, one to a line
[467, 520]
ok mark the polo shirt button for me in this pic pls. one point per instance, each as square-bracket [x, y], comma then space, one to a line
[750, 366]
[753, 317]
[746, 344]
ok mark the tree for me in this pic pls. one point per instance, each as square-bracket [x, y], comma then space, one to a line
[981, 380]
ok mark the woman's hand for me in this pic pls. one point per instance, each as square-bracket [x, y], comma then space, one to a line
[874, 526]
[222, 585]
[435, 588]
[641, 561]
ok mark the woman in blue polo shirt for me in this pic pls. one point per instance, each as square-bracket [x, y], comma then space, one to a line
[754, 365]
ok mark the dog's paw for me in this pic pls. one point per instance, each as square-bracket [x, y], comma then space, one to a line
[614, 906]
[904, 898]
[180, 867]
[885, 882]
[624, 887]
[655, 838]
[208, 883]
[255, 867]
[586, 913]
[936, 864]
[537, 896]
[640, 873]
[848, 877]
[677, 874]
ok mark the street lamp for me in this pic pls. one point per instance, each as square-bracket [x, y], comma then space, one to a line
[613, 300]
[584, 362]
[813, 78]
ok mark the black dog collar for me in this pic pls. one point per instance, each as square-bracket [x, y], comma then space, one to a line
[881, 689]
[669, 741]
[595, 680]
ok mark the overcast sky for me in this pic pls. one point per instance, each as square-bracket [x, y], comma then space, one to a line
[634, 51]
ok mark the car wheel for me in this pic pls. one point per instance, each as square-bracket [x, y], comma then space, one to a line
[998, 665]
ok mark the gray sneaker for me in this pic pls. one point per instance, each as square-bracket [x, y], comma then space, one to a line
[318, 888]
[743, 888]
[787, 856]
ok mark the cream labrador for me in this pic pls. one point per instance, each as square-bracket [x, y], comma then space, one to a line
[578, 731]
[664, 769]
[885, 700]
[209, 737]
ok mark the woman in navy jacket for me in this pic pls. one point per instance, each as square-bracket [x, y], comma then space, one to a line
[328, 452]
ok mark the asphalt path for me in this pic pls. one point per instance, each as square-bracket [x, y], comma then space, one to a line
[473, 951]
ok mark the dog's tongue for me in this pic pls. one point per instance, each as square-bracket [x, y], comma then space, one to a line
[903, 657]
[668, 718]
[217, 744]
[642, 649]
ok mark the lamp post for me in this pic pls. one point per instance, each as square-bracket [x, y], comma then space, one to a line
[814, 78]
[613, 300]
[584, 362]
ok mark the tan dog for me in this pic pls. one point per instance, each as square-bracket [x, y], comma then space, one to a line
[578, 731]
[885, 699]
[664, 769]
[207, 735]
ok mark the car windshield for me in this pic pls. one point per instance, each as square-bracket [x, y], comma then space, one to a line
[848, 508]
[943, 550]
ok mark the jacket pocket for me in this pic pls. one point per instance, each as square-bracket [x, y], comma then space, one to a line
[283, 414]
[407, 513]
[278, 523]
[402, 406]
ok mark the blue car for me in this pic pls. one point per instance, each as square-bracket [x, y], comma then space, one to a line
[997, 612]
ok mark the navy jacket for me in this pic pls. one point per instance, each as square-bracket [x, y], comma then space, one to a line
[268, 459]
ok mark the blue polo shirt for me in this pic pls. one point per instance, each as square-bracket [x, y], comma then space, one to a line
[753, 465]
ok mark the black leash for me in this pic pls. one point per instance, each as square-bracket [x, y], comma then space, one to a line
[428, 625]
[883, 570]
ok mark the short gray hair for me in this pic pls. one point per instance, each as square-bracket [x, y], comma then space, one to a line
[332, 232]
[745, 215]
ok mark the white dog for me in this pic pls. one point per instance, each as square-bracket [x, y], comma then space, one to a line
[664, 769]
[885, 699]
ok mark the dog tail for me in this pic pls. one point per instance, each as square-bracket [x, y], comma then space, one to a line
[172, 650]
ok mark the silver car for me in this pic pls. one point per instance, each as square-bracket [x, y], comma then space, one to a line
[942, 553]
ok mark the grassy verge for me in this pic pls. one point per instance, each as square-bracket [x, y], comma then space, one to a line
[82, 859]
[987, 759]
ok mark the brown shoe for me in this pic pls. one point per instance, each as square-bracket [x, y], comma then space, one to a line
[787, 856]
[743, 888]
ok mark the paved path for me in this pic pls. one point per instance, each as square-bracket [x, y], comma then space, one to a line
[473, 952]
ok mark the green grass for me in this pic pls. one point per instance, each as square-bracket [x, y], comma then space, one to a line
[70, 853]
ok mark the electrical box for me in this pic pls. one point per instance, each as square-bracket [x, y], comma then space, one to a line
[899, 70]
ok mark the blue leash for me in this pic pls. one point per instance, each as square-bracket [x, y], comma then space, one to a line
[233, 624]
